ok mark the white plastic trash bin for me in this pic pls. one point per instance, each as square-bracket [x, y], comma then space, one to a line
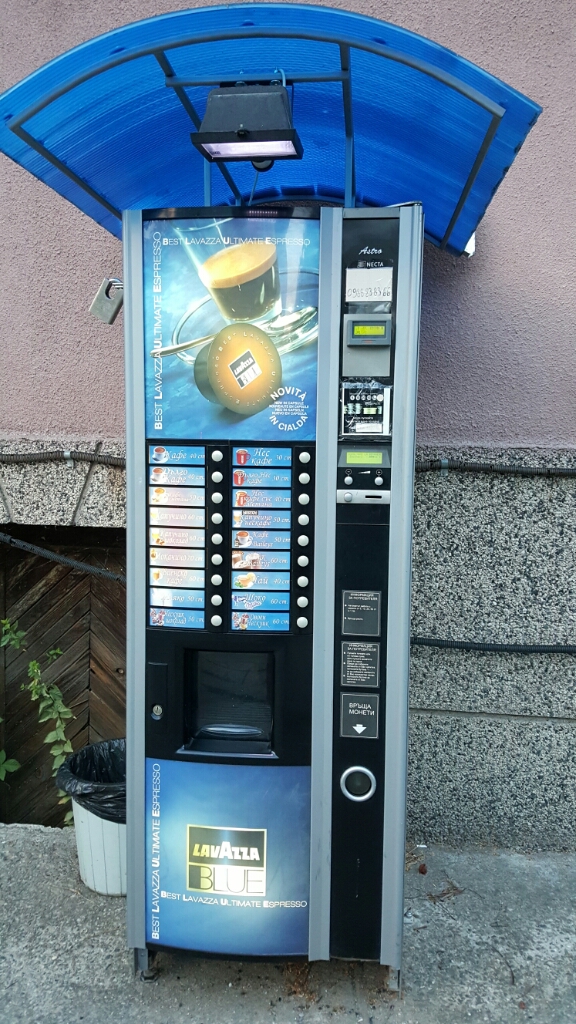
[95, 778]
[101, 852]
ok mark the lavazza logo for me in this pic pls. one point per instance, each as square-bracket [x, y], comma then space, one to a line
[229, 861]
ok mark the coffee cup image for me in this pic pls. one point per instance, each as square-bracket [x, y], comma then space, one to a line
[239, 477]
[159, 454]
[241, 498]
[239, 369]
[158, 494]
[243, 538]
[158, 475]
[243, 280]
[237, 517]
[242, 456]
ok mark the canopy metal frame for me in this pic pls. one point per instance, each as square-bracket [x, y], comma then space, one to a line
[343, 75]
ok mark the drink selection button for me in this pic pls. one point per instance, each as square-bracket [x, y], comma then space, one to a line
[303, 560]
[216, 580]
[216, 559]
[216, 518]
[303, 520]
[303, 540]
[216, 620]
[304, 456]
[302, 622]
[217, 477]
[302, 581]
[216, 599]
[304, 478]
[304, 499]
[302, 602]
[217, 456]
[217, 497]
[217, 538]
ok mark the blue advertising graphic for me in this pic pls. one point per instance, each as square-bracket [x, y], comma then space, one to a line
[231, 329]
[227, 858]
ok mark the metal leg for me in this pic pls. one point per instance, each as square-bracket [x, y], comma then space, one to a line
[393, 980]
[144, 964]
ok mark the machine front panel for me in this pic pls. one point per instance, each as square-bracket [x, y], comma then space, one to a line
[230, 326]
[227, 854]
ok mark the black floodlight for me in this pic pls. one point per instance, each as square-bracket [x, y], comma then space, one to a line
[248, 122]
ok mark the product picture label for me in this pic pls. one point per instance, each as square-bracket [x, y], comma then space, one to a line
[189, 496]
[161, 536]
[165, 597]
[260, 580]
[261, 539]
[250, 602]
[261, 621]
[260, 559]
[247, 477]
[260, 499]
[184, 476]
[176, 455]
[177, 558]
[174, 618]
[262, 457]
[177, 516]
[251, 519]
[189, 578]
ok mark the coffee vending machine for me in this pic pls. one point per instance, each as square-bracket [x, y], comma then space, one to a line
[271, 367]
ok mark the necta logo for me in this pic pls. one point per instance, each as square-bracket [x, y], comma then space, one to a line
[231, 861]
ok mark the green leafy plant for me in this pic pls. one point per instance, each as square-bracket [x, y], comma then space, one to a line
[7, 764]
[51, 707]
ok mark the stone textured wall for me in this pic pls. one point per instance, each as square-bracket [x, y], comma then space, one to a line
[492, 736]
[498, 363]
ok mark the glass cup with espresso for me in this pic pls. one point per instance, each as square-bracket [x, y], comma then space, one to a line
[244, 281]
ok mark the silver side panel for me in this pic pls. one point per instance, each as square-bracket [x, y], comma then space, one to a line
[398, 652]
[135, 575]
[325, 547]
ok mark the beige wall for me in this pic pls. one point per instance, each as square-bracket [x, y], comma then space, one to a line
[498, 358]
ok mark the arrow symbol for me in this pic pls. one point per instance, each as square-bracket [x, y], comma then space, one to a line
[359, 728]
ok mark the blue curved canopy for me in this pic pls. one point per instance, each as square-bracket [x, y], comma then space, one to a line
[385, 116]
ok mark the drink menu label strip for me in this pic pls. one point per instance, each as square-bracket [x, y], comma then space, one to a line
[177, 538]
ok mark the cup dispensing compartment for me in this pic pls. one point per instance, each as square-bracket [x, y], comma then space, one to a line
[229, 701]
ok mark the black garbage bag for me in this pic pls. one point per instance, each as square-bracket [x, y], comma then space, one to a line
[95, 776]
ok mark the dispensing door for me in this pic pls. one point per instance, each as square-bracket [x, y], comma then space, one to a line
[368, 357]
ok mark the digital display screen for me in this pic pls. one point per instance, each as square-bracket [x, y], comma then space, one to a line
[364, 458]
[371, 330]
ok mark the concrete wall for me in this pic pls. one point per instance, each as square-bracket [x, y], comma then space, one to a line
[498, 361]
[492, 736]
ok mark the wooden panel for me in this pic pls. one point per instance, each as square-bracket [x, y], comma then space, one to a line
[85, 617]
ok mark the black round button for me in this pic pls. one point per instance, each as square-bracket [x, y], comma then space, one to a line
[358, 783]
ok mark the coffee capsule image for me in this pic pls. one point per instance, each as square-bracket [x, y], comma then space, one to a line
[239, 369]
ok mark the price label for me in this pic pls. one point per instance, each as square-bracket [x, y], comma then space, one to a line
[369, 284]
